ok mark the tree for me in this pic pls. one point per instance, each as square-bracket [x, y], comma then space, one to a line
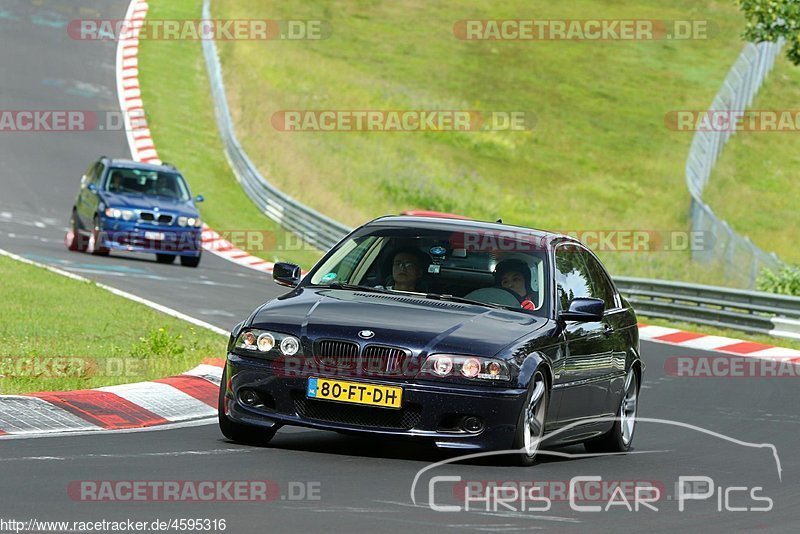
[768, 20]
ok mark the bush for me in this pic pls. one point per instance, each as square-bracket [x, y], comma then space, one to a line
[785, 282]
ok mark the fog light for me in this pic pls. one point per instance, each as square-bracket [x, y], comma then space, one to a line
[248, 397]
[472, 424]
[470, 368]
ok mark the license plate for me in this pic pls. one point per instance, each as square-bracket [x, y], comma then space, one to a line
[155, 236]
[355, 392]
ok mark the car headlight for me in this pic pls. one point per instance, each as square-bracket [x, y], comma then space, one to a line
[116, 213]
[190, 221]
[442, 365]
[261, 341]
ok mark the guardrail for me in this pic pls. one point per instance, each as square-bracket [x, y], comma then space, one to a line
[748, 311]
[740, 258]
[314, 227]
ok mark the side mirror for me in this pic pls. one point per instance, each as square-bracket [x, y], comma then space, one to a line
[286, 274]
[584, 309]
[92, 188]
[199, 198]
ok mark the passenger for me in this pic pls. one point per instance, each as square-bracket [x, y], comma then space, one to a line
[515, 275]
[408, 266]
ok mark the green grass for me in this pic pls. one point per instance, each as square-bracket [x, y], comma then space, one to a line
[49, 344]
[180, 113]
[600, 156]
[755, 184]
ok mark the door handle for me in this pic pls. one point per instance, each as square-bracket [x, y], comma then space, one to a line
[605, 331]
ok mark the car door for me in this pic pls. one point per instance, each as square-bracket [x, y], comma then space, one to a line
[87, 199]
[586, 372]
[616, 320]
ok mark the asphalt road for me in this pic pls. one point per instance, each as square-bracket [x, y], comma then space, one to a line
[326, 481]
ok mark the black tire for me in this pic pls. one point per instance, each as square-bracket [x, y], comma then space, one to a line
[165, 258]
[620, 437]
[75, 241]
[527, 457]
[251, 435]
[92, 247]
[190, 261]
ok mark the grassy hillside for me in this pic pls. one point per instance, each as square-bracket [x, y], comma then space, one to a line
[755, 185]
[599, 156]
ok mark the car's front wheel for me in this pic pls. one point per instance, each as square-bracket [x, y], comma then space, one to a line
[620, 437]
[237, 432]
[95, 245]
[530, 425]
[74, 240]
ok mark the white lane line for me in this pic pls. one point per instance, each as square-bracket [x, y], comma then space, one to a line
[124, 294]
[212, 452]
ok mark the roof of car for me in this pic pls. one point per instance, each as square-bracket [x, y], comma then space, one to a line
[130, 164]
[452, 224]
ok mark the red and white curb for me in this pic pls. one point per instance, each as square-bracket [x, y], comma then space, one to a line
[188, 397]
[726, 345]
[140, 139]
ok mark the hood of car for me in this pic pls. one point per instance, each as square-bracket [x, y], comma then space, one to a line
[410, 322]
[139, 201]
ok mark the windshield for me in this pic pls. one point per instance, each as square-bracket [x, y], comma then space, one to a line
[150, 183]
[509, 272]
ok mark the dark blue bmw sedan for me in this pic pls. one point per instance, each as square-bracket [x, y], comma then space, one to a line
[136, 207]
[470, 335]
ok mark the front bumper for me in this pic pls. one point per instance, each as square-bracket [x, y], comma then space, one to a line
[150, 238]
[430, 412]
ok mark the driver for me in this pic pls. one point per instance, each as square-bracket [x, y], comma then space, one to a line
[408, 266]
[116, 182]
[515, 276]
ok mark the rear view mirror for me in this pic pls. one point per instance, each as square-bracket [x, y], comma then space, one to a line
[286, 274]
[92, 188]
[199, 198]
[584, 309]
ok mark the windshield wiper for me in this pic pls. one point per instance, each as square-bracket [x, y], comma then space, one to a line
[462, 300]
[355, 287]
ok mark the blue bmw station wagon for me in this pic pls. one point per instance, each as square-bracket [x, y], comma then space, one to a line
[137, 207]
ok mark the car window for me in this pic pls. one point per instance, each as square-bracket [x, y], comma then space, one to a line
[445, 263]
[162, 184]
[572, 275]
[93, 174]
[601, 285]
